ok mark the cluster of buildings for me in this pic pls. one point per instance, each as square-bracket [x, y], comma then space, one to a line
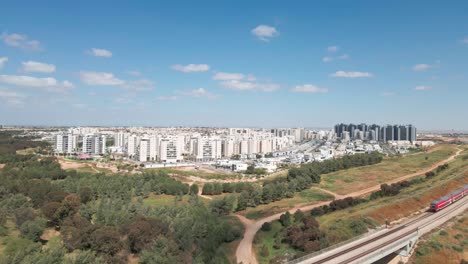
[227, 147]
[375, 132]
[172, 145]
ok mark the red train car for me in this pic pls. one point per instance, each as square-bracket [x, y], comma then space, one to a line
[449, 199]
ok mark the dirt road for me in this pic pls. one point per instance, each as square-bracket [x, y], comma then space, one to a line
[244, 251]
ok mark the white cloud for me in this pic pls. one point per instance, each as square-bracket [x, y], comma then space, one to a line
[167, 98]
[20, 41]
[34, 66]
[265, 33]
[101, 52]
[224, 76]
[327, 59]
[99, 78]
[134, 73]
[191, 67]
[351, 74]
[243, 82]
[139, 85]
[11, 97]
[309, 88]
[333, 48]
[421, 67]
[423, 88]
[249, 86]
[48, 84]
[3, 61]
[198, 93]
[465, 40]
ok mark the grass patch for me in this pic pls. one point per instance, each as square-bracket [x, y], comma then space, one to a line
[354, 179]
[219, 176]
[444, 246]
[269, 239]
[308, 196]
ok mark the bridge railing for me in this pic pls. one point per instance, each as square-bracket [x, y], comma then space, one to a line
[316, 253]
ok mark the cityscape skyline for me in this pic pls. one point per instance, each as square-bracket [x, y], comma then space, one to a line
[275, 65]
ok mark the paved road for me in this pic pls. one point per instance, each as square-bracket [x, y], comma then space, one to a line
[357, 250]
[244, 252]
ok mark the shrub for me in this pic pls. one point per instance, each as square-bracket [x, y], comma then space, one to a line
[285, 219]
[266, 226]
[443, 233]
[33, 229]
[457, 248]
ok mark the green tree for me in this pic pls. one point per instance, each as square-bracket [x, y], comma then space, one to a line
[285, 219]
[33, 229]
[194, 189]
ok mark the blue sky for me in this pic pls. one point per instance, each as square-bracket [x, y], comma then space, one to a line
[236, 63]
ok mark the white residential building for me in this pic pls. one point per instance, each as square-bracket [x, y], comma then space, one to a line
[65, 143]
[132, 145]
[94, 144]
[170, 150]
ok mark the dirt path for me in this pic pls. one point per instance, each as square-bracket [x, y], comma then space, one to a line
[244, 252]
[337, 196]
[204, 196]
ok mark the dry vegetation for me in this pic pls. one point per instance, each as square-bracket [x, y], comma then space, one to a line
[446, 245]
[351, 180]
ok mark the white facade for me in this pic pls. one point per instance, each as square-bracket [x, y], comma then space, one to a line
[94, 144]
[65, 143]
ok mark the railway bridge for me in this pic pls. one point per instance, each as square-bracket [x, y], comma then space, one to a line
[378, 244]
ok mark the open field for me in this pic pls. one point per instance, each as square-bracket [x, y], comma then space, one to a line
[411, 200]
[351, 180]
[414, 198]
[198, 174]
[305, 197]
[448, 244]
[27, 151]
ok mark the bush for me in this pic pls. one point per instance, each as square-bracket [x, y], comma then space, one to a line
[430, 174]
[3, 231]
[423, 251]
[443, 233]
[457, 248]
[33, 229]
[285, 219]
[266, 226]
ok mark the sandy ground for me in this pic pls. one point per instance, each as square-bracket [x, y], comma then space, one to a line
[49, 233]
[2, 166]
[204, 169]
[244, 252]
[67, 164]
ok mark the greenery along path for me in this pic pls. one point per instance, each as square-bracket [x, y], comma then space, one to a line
[360, 178]
[244, 251]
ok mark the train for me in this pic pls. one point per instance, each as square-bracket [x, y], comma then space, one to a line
[449, 199]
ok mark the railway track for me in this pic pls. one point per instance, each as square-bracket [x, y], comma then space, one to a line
[421, 219]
